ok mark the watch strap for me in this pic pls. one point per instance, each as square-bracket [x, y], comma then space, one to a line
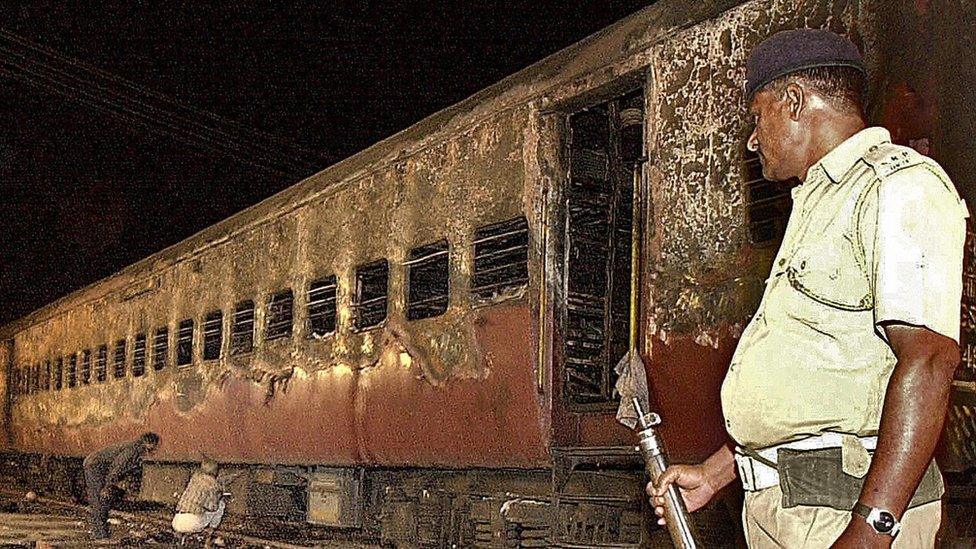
[861, 509]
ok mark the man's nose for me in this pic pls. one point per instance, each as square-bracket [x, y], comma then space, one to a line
[753, 143]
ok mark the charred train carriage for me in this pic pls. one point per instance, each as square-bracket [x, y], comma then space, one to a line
[417, 344]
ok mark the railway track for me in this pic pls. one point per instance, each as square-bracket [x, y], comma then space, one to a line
[47, 522]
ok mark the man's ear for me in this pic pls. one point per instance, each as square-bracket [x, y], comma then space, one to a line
[795, 99]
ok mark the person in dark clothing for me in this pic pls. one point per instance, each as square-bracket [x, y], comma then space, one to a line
[105, 468]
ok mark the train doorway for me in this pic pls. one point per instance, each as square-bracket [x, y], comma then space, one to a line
[601, 264]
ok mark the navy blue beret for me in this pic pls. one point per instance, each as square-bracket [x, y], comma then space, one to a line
[795, 50]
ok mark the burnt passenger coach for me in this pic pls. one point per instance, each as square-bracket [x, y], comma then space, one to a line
[417, 344]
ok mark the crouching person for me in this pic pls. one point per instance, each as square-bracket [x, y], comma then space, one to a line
[201, 507]
[105, 472]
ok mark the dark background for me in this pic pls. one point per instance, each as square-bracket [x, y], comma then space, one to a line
[88, 188]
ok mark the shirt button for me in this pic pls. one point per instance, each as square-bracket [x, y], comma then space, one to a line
[782, 262]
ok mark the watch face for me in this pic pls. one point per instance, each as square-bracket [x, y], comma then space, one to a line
[884, 522]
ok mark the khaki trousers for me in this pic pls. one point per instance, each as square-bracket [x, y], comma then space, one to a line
[767, 524]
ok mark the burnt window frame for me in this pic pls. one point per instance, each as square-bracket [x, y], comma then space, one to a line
[46, 375]
[15, 381]
[422, 259]
[101, 364]
[358, 301]
[85, 367]
[120, 360]
[139, 356]
[327, 308]
[71, 371]
[184, 346]
[604, 165]
[206, 327]
[275, 325]
[160, 350]
[57, 374]
[238, 335]
[482, 241]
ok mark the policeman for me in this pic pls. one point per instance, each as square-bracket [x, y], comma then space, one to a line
[838, 389]
[103, 471]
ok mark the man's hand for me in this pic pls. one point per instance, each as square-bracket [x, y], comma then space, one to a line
[697, 484]
[692, 482]
[860, 535]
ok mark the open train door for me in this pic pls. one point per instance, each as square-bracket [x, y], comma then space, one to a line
[596, 472]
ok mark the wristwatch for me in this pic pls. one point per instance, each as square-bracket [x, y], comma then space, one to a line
[881, 520]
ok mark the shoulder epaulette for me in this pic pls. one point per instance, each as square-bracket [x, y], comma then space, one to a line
[888, 158]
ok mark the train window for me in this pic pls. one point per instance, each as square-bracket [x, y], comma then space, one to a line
[46, 376]
[606, 147]
[242, 329]
[84, 374]
[213, 335]
[139, 355]
[101, 364]
[118, 365]
[160, 349]
[427, 280]
[279, 315]
[58, 370]
[184, 343]
[322, 306]
[72, 370]
[767, 204]
[372, 280]
[501, 254]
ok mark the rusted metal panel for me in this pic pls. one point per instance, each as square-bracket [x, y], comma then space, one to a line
[388, 413]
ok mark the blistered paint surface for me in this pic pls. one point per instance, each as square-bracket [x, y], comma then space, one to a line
[455, 389]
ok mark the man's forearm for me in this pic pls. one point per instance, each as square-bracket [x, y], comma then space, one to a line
[911, 423]
[720, 468]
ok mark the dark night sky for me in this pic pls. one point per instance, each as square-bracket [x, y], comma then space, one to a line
[86, 192]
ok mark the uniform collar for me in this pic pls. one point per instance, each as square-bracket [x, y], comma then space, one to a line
[839, 161]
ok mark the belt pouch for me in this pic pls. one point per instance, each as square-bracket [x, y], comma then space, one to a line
[816, 477]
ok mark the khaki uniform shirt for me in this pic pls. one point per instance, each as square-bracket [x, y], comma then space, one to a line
[876, 235]
[202, 494]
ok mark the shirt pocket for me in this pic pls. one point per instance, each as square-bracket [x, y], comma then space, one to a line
[832, 273]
